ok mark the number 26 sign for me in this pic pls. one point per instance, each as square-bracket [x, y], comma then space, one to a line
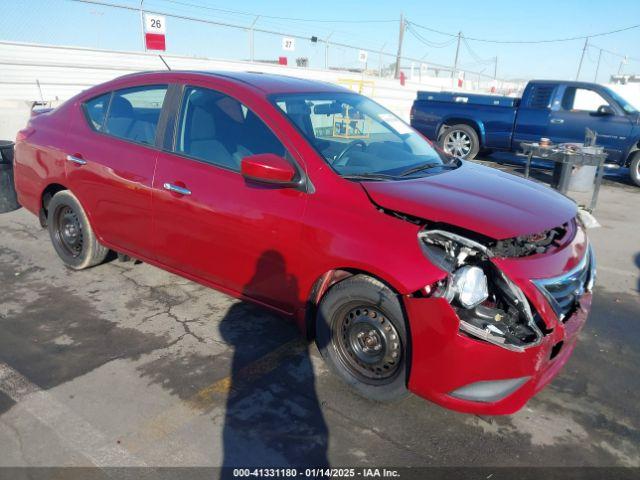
[155, 27]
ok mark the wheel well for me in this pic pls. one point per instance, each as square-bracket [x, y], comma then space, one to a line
[322, 285]
[47, 195]
[450, 122]
[635, 149]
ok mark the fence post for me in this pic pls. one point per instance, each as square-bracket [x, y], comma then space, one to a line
[144, 41]
[251, 52]
[326, 52]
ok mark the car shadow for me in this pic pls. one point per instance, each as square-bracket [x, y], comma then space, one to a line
[273, 416]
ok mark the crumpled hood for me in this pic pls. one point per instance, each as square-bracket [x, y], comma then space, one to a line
[482, 199]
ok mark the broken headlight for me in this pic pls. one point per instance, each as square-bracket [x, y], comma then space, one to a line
[490, 306]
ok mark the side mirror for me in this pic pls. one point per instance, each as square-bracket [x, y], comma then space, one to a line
[605, 110]
[268, 168]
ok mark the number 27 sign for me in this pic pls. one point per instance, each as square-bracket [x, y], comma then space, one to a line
[155, 27]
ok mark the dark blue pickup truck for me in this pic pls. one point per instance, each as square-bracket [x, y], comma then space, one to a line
[465, 124]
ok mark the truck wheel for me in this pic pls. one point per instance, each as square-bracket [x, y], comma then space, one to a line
[460, 141]
[71, 234]
[361, 334]
[634, 169]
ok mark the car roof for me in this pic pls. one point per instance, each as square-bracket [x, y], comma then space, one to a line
[266, 83]
[569, 83]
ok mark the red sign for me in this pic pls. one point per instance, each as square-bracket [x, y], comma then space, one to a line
[154, 41]
[155, 29]
[282, 60]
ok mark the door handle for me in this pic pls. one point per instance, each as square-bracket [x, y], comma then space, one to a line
[177, 189]
[557, 120]
[76, 160]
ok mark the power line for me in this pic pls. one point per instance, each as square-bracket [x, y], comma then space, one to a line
[615, 54]
[475, 56]
[294, 19]
[429, 43]
[555, 40]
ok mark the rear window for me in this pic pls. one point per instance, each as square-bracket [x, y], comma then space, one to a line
[541, 96]
[96, 109]
[134, 113]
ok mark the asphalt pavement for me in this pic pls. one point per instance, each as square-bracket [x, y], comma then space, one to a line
[127, 365]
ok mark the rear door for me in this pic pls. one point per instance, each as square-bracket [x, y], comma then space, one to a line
[111, 163]
[532, 118]
[211, 223]
[578, 110]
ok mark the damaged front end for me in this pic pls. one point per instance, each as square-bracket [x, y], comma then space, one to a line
[489, 305]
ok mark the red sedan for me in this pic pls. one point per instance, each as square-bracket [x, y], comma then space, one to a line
[413, 271]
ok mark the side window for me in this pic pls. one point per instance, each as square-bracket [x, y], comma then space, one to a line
[541, 96]
[134, 113]
[218, 129]
[582, 100]
[96, 109]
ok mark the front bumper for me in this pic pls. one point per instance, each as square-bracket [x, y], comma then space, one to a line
[444, 360]
[473, 376]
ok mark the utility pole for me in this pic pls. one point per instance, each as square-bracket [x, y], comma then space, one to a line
[400, 38]
[495, 68]
[251, 51]
[326, 52]
[380, 62]
[455, 62]
[595, 78]
[584, 50]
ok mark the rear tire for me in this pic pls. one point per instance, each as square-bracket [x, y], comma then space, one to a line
[634, 169]
[361, 334]
[71, 234]
[460, 141]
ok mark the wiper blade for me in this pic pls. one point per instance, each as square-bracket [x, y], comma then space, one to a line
[419, 168]
[368, 176]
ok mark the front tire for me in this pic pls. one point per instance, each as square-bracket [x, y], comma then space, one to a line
[361, 334]
[634, 169]
[71, 234]
[460, 141]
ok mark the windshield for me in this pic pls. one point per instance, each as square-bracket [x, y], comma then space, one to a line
[622, 102]
[361, 139]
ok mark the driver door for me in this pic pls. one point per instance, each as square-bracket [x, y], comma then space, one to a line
[578, 110]
[217, 226]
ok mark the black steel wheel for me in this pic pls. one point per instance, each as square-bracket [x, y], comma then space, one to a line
[68, 230]
[71, 234]
[361, 334]
[368, 344]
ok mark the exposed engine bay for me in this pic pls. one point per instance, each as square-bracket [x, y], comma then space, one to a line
[490, 306]
[526, 245]
[520, 246]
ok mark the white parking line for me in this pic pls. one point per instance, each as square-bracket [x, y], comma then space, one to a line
[75, 432]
